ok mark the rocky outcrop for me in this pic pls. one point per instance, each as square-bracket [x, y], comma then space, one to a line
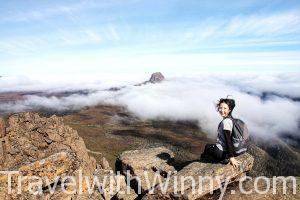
[198, 179]
[54, 155]
[29, 137]
[158, 178]
[114, 186]
[149, 166]
[156, 77]
[42, 173]
[48, 150]
[2, 147]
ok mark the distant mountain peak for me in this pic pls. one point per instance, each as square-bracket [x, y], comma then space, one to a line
[156, 77]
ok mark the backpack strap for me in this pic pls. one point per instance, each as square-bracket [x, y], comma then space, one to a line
[230, 117]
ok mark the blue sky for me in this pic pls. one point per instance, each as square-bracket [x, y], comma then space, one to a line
[76, 38]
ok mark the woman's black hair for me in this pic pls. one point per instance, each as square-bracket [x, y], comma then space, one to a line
[229, 101]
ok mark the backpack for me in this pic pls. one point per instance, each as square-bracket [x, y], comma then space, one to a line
[239, 136]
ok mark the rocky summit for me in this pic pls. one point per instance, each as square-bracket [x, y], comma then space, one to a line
[45, 148]
[146, 164]
[153, 171]
[156, 77]
[27, 137]
[42, 158]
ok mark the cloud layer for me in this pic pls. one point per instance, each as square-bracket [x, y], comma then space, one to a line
[186, 98]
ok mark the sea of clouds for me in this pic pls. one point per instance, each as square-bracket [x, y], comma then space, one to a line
[268, 103]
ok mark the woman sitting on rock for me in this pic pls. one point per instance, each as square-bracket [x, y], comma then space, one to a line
[231, 139]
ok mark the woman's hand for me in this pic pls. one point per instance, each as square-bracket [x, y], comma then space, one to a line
[235, 163]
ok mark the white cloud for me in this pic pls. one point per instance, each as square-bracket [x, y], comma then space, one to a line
[37, 43]
[263, 25]
[40, 12]
[212, 32]
[264, 29]
[193, 98]
[127, 63]
[81, 36]
[62, 83]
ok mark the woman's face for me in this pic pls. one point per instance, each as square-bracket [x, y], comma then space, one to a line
[224, 110]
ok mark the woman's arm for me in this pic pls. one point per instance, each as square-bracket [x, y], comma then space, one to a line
[229, 143]
[232, 160]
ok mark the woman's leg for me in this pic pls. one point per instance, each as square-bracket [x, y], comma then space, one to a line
[212, 152]
[218, 154]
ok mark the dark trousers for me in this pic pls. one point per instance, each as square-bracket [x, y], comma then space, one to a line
[213, 154]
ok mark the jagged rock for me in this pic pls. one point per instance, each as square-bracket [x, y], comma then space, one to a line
[114, 186]
[43, 147]
[2, 134]
[156, 77]
[125, 193]
[2, 128]
[29, 138]
[104, 164]
[47, 171]
[149, 165]
[196, 170]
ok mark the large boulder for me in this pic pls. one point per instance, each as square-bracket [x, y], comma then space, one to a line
[150, 166]
[114, 186]
[198, 179]
[45, 148]
[29, 137]
[40, 174]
